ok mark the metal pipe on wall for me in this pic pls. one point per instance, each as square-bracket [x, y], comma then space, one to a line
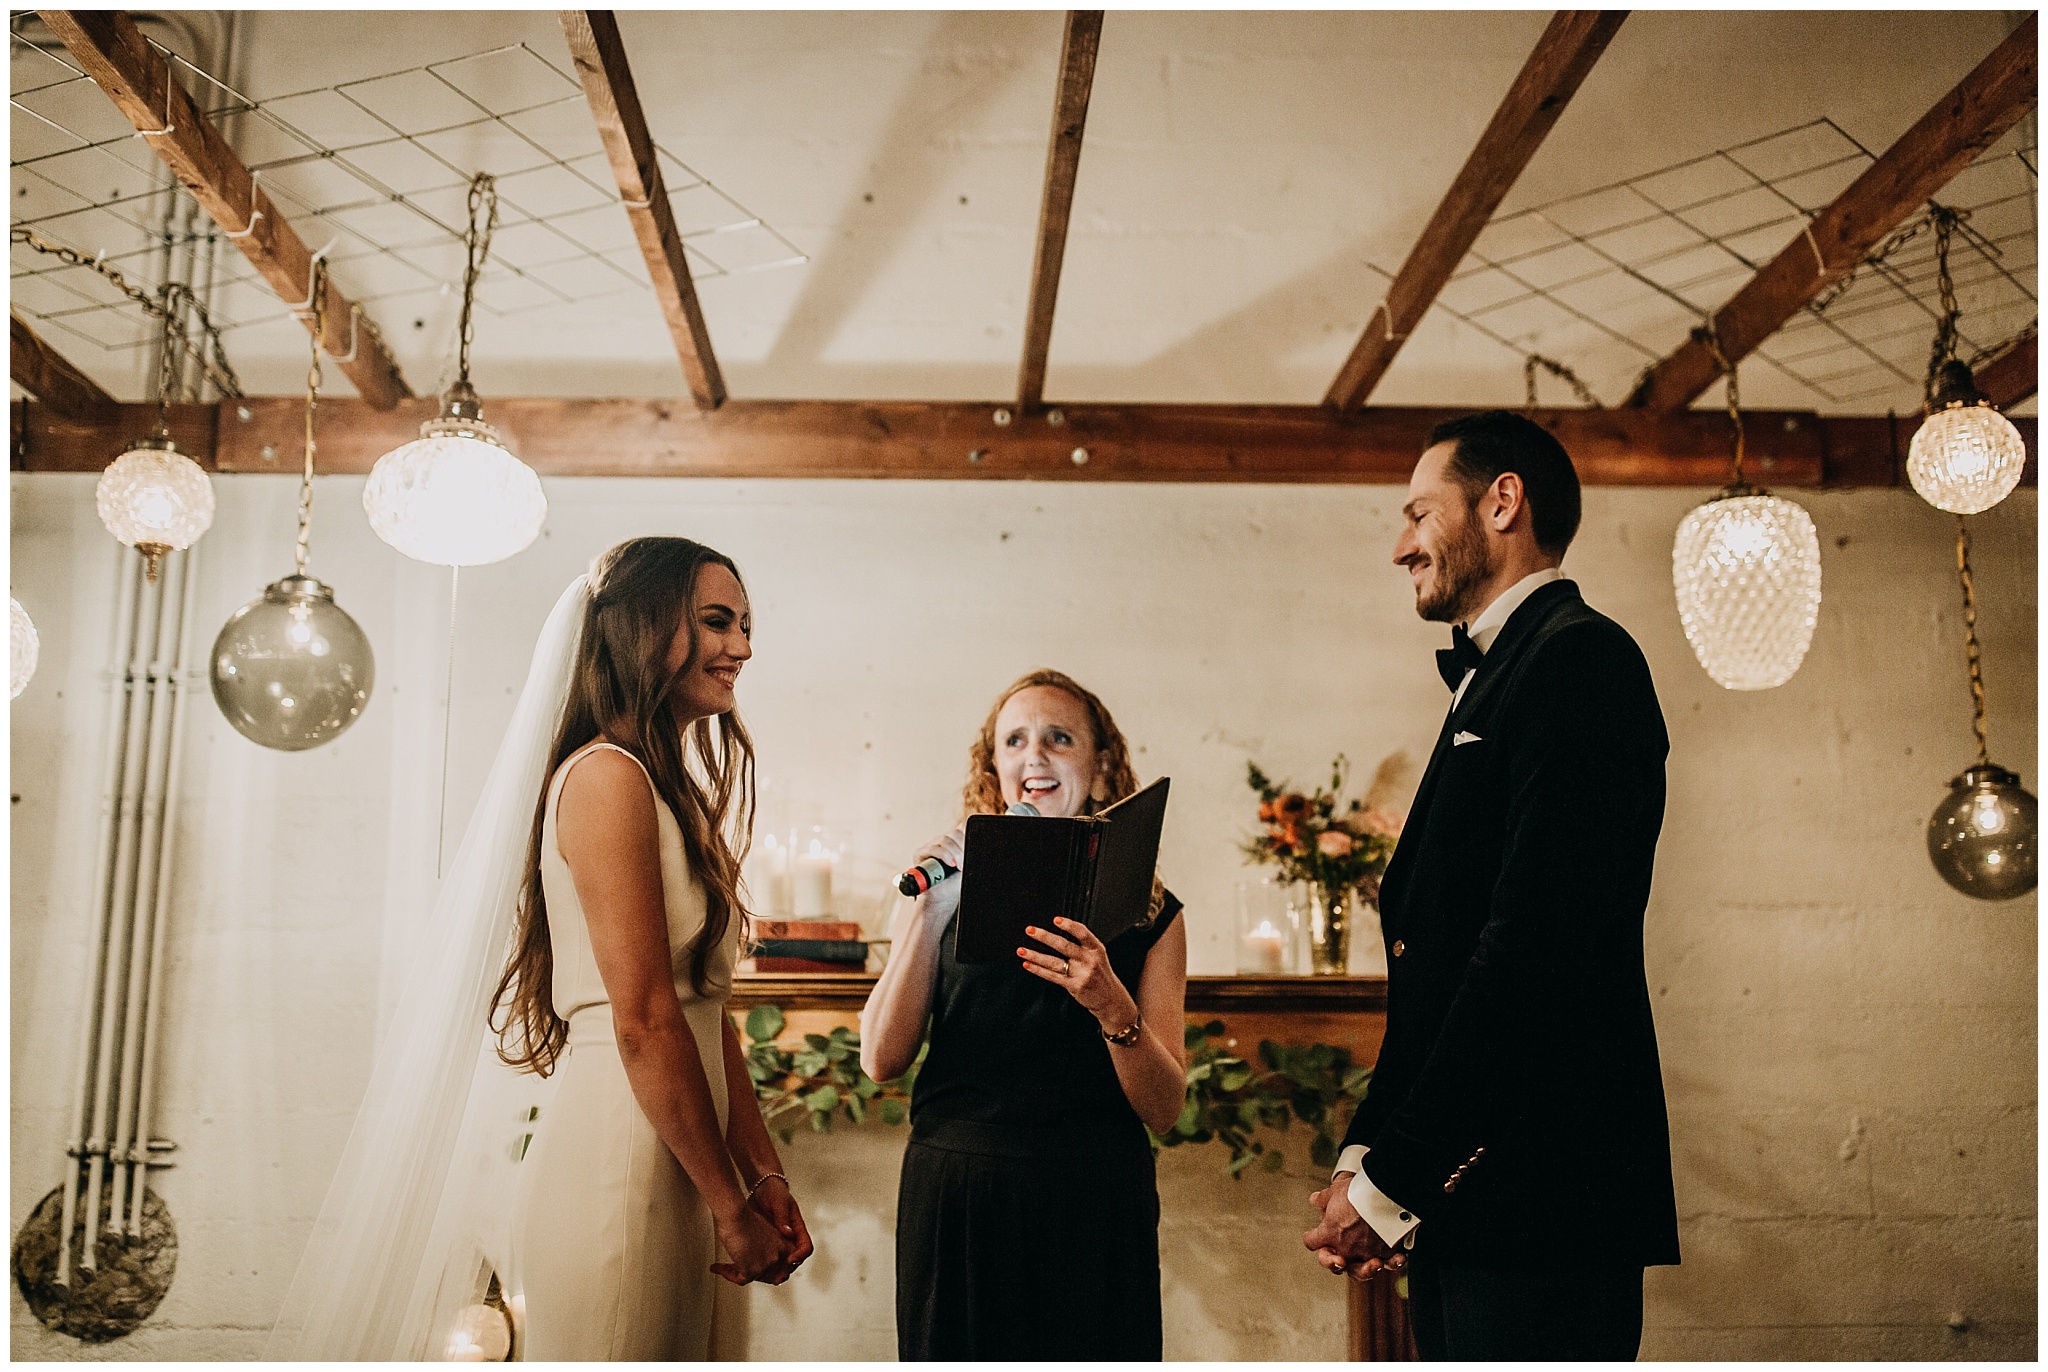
[121, 920]
[140, 1157]
[142, 926]
[127, 580]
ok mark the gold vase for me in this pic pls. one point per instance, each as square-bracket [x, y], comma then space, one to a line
[1329, 929]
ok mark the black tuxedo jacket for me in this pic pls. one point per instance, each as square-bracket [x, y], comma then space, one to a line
[1517, 1108]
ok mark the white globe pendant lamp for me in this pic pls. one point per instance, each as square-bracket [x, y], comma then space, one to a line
[23, 647]
[1745, 568]
[456, 495]
[155, 499]
[1966, 456]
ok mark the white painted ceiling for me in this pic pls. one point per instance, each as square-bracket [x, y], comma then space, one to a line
[1248, 182]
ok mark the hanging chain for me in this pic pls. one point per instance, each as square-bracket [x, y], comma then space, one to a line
[1970, 639]
[212, 359]
[1562, 373]
[316, 296]
[1711, 336]
[167, 364]
[483, 195]
[1945, 221]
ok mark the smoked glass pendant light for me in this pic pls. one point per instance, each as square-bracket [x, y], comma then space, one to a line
[456, 495]
[291, 670]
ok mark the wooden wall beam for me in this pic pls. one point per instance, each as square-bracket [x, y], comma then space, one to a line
[2013, 375]
[940, 441]
[600, 56]
[1056, 205]
[49, 376]
[113, 52]
[1966, 121]
[1567, 51]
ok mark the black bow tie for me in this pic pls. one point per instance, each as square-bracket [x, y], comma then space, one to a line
[1463, 655]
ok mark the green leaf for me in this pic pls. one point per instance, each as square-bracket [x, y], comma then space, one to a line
[787, 1136]
[1214, 1029]
[893, 1111]
[821, 1121]
[1322, 1151]
[1273, 1161]
[1193, 1037]
[867, 1088]
[1233, 1074]
[1240, 1162]
[808, 1063]
[764, 1023]
[818, 1041]
[1188, 1114]
[856, 1109]
[824, 1099]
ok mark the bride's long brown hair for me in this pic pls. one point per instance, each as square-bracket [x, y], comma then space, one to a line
[620, 690]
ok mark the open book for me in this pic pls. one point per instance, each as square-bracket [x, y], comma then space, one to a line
[1025, 870]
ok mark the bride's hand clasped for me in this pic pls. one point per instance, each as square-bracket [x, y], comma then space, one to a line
[757, 1251]
[777, 1203]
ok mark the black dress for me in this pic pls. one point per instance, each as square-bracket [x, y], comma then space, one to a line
[1027, 1225]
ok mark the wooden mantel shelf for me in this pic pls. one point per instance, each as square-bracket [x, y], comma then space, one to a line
[1206, 995]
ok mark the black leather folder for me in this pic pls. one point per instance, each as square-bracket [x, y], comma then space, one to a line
[1024, 870]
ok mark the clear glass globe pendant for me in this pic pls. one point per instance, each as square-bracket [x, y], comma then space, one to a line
[456, 495]
[1746, 569]
[23, 648]
[1967, 456]
[155, 499]
[290, 669]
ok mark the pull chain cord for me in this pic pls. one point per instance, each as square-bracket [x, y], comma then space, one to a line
[317, 299]
[1712, 337]
[1970, 637]
[1945, 221]
[483, 192]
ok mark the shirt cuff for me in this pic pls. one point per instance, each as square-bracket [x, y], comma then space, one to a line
[1395, 1226]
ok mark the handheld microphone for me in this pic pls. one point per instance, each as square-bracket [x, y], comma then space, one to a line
[931, 871]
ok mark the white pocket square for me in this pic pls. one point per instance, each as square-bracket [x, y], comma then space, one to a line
[1461, 738]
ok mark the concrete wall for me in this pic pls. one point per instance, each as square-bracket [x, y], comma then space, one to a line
[1849, 1046]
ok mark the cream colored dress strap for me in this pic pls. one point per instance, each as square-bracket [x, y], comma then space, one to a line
[616, 1245]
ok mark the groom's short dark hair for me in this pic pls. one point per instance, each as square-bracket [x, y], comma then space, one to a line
[1503, 441]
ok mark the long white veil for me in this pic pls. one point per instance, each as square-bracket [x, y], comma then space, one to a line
[421, 1210]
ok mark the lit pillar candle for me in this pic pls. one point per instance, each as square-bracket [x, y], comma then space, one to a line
[768, 877]
[1265, 949]
[813, 882]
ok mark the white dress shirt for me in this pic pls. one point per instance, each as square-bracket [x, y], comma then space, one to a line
[1395, 1226]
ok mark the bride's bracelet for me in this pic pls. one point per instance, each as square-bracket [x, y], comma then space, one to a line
[762, 1179]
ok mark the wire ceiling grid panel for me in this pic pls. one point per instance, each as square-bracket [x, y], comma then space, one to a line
[1611, 278]
[376, 168]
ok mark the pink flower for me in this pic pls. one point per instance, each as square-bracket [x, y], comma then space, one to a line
[1334, 843]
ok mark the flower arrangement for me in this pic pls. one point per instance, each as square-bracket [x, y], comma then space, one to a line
[1318, 837]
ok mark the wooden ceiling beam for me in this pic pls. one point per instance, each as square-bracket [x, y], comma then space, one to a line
[1056, 205]
[1564, 55]
[113, 52]
[49, 376]
[600, 56]
[1950, 136]
[963, 441]
[2013, 375]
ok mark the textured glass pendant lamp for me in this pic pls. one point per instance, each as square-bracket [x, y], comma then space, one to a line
[456, 495]
[23, 647]
[1746, 569]
[153, 497]
[290, 669]
[1982, 836]
[1966, 456]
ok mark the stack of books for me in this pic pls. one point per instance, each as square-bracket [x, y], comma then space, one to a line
[808, 945]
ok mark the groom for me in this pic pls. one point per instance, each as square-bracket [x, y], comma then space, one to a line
[1512, 1153]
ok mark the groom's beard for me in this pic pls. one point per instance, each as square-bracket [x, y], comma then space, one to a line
[1458, 570]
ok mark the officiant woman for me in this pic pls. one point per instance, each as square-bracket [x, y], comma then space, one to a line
[1027, 1224]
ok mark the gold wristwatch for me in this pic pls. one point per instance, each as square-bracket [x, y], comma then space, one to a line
[1127, 1035]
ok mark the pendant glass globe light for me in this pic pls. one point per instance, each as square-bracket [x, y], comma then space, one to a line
[1983, 836]
[291, 670]
[153, 497]
[1966, 456]
[456, 495]
[1745, 567]
[23, 647]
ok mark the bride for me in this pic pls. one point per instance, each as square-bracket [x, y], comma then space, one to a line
[586, 937]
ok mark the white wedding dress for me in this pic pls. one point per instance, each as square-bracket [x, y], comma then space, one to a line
[615, 1243]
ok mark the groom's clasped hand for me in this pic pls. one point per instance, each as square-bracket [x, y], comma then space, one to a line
[1342, 1241]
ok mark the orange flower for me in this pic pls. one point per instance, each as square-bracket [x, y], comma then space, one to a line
[1266, 810]
[1293, 805]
